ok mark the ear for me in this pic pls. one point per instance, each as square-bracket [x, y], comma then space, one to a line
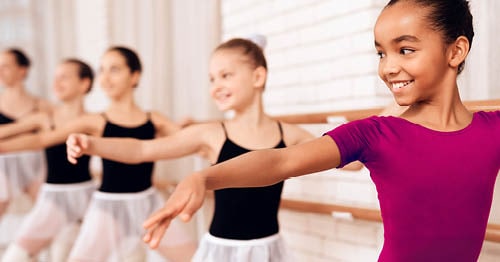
[135, 78]
[85, 85]
[24, 73]
[458, 51]
[260, 77]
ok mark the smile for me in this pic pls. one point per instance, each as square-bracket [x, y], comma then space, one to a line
[401, 84]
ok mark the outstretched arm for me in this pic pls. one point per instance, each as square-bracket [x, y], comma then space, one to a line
[86, 124]
[185, 142]
[27, 124]
[253, 169]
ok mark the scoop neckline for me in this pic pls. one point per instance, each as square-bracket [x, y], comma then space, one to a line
[439, 132]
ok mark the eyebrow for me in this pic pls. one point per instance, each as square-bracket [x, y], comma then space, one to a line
[402, 38]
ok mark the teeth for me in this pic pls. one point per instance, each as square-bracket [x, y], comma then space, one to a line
[400, 84]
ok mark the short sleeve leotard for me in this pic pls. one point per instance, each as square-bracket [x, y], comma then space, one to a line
[245, 213]
[127, 178]
[435, 188]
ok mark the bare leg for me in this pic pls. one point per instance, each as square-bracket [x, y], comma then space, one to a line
[32, 189]
[3, 207]
[179, 253]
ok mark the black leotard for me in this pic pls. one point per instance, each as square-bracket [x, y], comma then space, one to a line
[127, 178]
[245, 213]
[61, 171]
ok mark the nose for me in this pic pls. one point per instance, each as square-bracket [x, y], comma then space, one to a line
[388, 66]
[215, 85]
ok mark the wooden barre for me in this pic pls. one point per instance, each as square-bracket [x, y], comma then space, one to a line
[349, 115]
[368, 214]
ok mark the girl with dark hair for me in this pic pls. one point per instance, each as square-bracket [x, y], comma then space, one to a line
[245, 224]
[111, 229]
[21, 172]
[434, 166]
[64, 197]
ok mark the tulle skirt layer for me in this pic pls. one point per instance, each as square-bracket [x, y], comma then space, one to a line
[57, 206]
[18, 171]
[112, 227]
[214, 249]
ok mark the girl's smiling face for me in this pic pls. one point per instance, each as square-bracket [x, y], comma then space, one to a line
[232, 79]
[115, 76]
[67, 83]
[413, 56]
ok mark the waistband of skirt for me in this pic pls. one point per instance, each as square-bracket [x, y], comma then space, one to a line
[124, 196]
[238, 242]
[70, 186]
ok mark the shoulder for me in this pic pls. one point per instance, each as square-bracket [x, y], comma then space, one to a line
[368, 128]
[163, 124]
[89, 122]
[157, 116]
[295, 134]
[491, 116]
[488, 121]
[208, 133]
[44, 104]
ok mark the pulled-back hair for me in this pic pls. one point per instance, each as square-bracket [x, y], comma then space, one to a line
[84, 70]
[450, 17]
[21, 59]
[248, 49]
[131, 58]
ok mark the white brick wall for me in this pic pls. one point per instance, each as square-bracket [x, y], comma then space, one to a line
[321, 58]
[320, 53]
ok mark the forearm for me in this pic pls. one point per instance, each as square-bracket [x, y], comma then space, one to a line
[11, 130]
[269, 166]
[126, 150]
[257, 168]
[21, 143]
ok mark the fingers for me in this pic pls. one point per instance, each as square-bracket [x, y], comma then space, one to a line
[75, 144]
[157, 217]
[186, 199]
[153, 237]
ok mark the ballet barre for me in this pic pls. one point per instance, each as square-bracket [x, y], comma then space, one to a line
[349, 115]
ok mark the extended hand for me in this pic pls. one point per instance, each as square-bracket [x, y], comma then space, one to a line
[76, 144]
[186, 199]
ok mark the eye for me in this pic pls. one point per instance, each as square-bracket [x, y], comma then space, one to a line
[406, 51]
[380, 54]
[226, 75]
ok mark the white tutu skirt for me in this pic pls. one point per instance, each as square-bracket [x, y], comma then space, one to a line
[57, 206]
[18, 171]
[267, 249]
[112, 227]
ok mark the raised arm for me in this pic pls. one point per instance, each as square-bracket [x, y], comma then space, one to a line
[253, 169]
[87, 124]
[190, 140]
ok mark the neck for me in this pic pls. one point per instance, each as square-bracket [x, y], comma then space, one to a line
[252, 115]
[74, 107]
[445, 112]
[16, 90]
[122, 105]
